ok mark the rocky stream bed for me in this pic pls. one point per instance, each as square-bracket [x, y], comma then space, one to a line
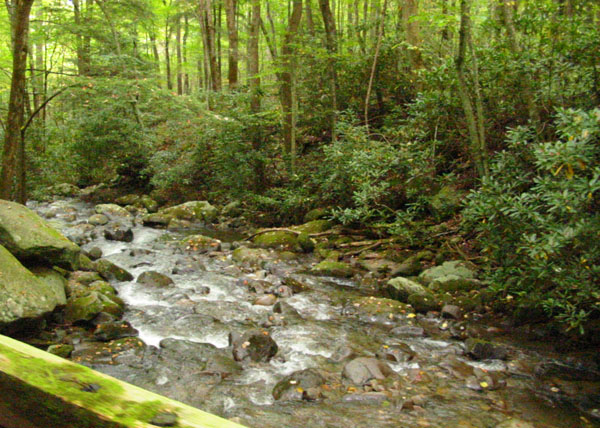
[256, 336]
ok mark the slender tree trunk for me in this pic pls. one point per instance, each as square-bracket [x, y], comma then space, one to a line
[179, 55]
[413, 37]
[255, 94]
[156, 57]
[232, 31]
[287, 55]
[331, 37]
[374, 67]
[516, 50]
[477, 146]
[186, 75]
[168, 54]
[310, 23]
[111, 24]
[13, 186]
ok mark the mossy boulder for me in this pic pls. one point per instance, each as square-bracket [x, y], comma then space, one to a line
[456, 268]
[110, 271]
[85, 278]
[381, 306]
[400, 288]
[333, 268]
[55, 281]
[453, 283]
[131, 199]
[31, 239]
[293, 387]
[409, 267]
[424, 302]
[251, 256]
[154, 279]
[316, 214]
[61, 350]
[306, 242]
[150, 204]
[112, 211]
[85, 263]
[22, 294]
[192, 211]
[315, 226]
[85, 308]
[98, 220]
[276, 239]
[66, 190]
[480, 349]
[156, 220]
[200, 243]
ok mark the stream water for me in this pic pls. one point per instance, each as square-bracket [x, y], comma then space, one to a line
[434, 384]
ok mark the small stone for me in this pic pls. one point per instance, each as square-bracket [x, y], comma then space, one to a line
[451, 311]
[266, 300]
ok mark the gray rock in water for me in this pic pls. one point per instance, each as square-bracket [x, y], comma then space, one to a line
[106, 332]
[408, 331]
[111, 271]
[154, 279]
[94, 253]
[98, 220]
[266, 300]
[118, 232]
[361, 370]
[480, 349]
[400, 353]
[295, 387]
[256, 346]
[400, 288]
[452, 311]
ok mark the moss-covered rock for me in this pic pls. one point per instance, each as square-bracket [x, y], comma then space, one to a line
[333, 268]
[453, 283]
[110, 271]
[98, 220]
[381, 306]
[154, 279]
[306, 242]
[55, 281]
[156, 220]
[150, 204]
[315, 226]
[276, 239]
[29, 238]
[131, 199]
[252, 256]
[112, 211]
[85, 263]
[424, 303]
[401, 288]
[85, 278]
[60, 350]
[22, 294]
[316, 214]
[193, 211]
[456, 268]
[85, 308]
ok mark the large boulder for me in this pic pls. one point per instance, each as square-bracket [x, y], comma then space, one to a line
[200, 243]
[455, 269]
[22, 294]
[400, 288]
[193, 211]
[31, 239]
[333, 268]
[112, 211]
[54, 281]
[256, 346]
[296, 386]
[446, 202]
[251, 256]
[276, 239]
[361, 370]
[86, 308]
[110, 271]
[154, 279]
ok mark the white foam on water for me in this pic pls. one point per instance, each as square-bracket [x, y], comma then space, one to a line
[309, 308]
[149, 337]
[136, 297]
[490, 365]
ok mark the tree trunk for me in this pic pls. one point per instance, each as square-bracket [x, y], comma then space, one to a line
[255, 93]
[168, 55]
[232, 32]
[287, 55]
[179, 55]
[207, 27]
[477, 146]
[310, 23]
[186, 75]
[331, 37]
[13, 171]
[156, 57]
[413, 38]
[374, 66]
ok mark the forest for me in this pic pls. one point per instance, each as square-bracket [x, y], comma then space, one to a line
[423, 132]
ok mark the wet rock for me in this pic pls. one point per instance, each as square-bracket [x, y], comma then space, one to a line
[306, 243]
[287, 310]
[29, 238]
[85, 263]
[111, 271]
[283, 291]
[118, 232]
[232, 209]
[112, 211]
[452, 311]
[94, 253]
[274, 320]
[455, 268]
[200, 244]
[377, 265]
[409, 267]
[578, 372]
[106, 332]
[149, 204]
[298, 285]
[251, 256]
[367, 398]
[154, 279]
[256, 346]
[408, 331]
[343, 353]
[82, 233]
[332, 268]
[424, 303]
[98, 220]
[361, 370]
[400, 353]
[400, 288]
[193, 211]
[296, 386]
[130, 199]
[479, 349]
[54, 281]
[156, 220]
[60, 350]
[178, 224]
[453, 283]
[266, 300]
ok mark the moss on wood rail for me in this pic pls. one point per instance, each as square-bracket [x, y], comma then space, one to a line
[38, 389]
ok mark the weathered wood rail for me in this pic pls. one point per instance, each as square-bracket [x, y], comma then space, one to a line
[41, 390]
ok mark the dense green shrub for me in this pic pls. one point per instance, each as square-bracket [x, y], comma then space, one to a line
[538, 218]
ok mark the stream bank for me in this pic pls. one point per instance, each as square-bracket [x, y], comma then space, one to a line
[267, 338]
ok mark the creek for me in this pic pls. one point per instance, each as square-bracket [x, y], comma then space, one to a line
[324, 327]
